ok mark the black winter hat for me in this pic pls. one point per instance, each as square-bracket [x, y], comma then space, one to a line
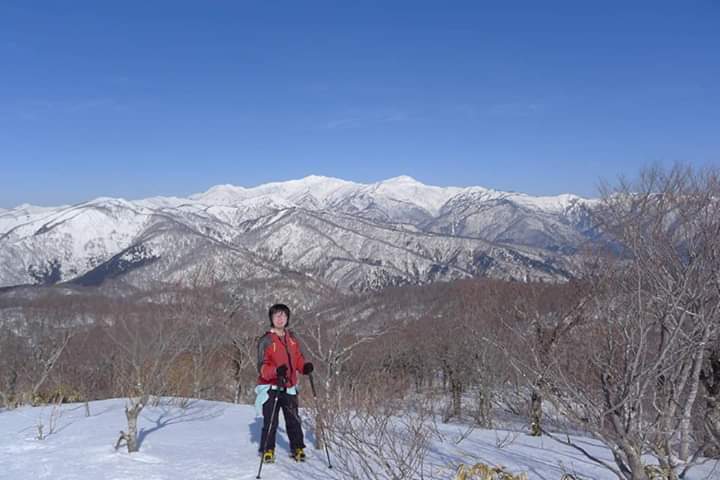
[279, 307]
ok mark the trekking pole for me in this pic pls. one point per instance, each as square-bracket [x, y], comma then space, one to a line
[272, 419]
[327, 452]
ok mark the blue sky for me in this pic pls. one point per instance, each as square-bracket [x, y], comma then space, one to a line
[135, 99]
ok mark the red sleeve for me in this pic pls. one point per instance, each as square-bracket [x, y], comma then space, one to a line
[299, 362]
[268, 368]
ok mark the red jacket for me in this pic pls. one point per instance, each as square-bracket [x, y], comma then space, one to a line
[274, 351]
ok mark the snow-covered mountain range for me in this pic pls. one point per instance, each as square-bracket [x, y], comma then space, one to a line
[326, 231]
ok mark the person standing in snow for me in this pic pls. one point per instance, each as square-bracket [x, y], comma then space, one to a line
[280, 359]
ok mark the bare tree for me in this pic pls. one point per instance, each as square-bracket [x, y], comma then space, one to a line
[199, 311]
[655, 309]
[148, 344]
[542, 318]
[242, 357]
[331, 336]
[46, 355]
[32, 347]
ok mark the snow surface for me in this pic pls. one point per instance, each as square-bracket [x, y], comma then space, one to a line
[215, 440]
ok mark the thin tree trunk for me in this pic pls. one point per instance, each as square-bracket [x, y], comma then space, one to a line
[238, 391]
[637, 469]
[484, 407]
[712, 429]
[48, 365]
[690, 401]
[456, 391]
[132, 414]
[536, 413]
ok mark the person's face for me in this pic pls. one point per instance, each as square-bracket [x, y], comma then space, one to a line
[279, 319]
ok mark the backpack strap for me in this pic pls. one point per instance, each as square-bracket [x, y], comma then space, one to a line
[263, 343]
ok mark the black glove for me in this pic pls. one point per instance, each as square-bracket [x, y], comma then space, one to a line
[308, 368]
[281, 371]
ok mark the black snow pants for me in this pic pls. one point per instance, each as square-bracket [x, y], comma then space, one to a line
[289, 406]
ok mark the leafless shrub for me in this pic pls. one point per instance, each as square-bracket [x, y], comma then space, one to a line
[375, 436]
[45, 429]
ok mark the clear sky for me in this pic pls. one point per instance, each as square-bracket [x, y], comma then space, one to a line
[143, 98]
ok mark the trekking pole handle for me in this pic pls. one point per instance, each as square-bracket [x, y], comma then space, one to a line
[312, 385]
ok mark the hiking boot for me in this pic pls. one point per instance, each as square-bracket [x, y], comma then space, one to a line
[269, 456]
[299, 455]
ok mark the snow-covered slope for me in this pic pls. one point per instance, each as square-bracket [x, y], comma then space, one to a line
[215, 440]
[348, 234]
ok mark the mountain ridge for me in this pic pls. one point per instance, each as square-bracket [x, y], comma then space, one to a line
[361, 227]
